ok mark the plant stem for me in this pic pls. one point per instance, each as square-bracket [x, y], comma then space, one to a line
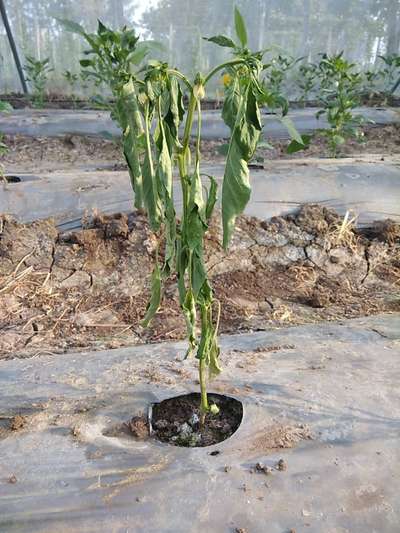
[180, 76]
[204, 407]
[189, 123]
[230, 63]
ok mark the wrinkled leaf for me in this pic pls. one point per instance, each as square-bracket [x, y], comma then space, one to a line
[244, 137]
[211, 198]
[130, 121]
[150, 192]
[155, 298]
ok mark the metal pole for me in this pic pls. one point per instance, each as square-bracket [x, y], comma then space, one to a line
[13, 47]
[395, 86]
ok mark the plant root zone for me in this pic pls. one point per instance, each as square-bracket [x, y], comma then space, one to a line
[176, 420]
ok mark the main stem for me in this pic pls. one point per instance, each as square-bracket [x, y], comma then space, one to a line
[183, 170]
[204, 407]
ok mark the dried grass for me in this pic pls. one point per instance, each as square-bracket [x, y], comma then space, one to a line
[343, 234]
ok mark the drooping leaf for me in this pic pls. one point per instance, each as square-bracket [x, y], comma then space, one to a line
[196, 221]
[164, 181]
[295, 146]
[189, 311]
[231, 105]
[244, 137]
[240, 27]
[131, 123]
[155, 299]
[150, 191]
[211, 198]
[221, 40]
[208, 348]
[294, 134]
[176, 110]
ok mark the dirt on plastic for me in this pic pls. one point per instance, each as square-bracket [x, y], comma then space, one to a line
[39, 154]
[88, 289]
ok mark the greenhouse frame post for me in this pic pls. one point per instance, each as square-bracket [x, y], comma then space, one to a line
[13, 46]
[394, 88]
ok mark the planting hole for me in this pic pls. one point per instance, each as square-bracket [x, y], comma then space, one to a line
[177, 420]
[13, 179]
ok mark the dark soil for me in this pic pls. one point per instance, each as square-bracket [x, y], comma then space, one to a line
[177, 420]
[88, 289]
[139, 427]
[64, 101]
[381, 141]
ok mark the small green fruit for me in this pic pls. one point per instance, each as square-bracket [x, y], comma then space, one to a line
[214, 409]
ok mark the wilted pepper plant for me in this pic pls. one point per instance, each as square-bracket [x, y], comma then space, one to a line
[149, 106]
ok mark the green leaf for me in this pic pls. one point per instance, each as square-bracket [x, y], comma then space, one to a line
[154, 46]
[101, 28]
[221, 40]
[189, 311]
[338, 139]
[71, 26]
[294, 134]
[244, 138]
[176, 110]
[223, 149]
[150, 191]
[137, 56]
[295, 146]
[208, 347]
[5, 107]
[211, 198]
[196, 222]
[155, 299]
[86, 63]
[240, 27]
[129, 118]
[164, 181]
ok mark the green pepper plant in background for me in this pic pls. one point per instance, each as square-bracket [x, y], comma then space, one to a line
[341, 87]
[390, 73]
[37, 73]
[307, 81]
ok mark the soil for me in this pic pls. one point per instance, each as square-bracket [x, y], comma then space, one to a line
[30, 154]
[139, 427]
[35, 154]
[177, 420]
[88, 289]
[381, 141]
[65, 101]
[68, 101]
